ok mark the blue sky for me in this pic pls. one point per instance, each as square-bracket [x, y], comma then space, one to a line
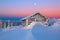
[27, 7]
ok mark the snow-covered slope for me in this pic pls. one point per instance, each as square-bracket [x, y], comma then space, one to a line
[51, 21]
[30, 26]
[33, 24]
[35, 31]
[40, 32]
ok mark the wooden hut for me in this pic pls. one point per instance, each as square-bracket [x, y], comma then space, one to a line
[36, 17]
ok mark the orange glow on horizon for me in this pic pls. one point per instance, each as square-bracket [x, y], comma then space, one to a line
[49, 12]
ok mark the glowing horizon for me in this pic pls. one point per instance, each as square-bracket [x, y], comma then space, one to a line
[49, 8]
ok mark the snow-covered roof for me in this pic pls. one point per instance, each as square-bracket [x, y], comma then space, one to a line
[31, 15]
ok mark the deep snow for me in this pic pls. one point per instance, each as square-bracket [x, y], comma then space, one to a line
[41, 32]
[35, 31]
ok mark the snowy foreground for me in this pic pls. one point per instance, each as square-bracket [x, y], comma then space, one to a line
[35, 31]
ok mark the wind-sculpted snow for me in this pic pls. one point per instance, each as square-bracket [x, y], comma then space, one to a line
[41, 32]
[37, 31]
[51, 21]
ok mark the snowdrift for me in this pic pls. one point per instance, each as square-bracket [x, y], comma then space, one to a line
[41, 32]
[34, 31]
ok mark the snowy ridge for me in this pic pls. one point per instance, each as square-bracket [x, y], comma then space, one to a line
[56, 23]
[33, 24]
[35, 31]
[53, 22]
[12, 28]
[30, 26]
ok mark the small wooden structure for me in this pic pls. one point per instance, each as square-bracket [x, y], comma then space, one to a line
[0, 23]
[36, 17]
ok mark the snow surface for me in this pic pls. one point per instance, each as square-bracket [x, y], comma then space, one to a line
[51, 21]
[46, 33]
[35, 31]
[30, 26]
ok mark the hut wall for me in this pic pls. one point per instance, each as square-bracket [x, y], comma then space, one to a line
[34, 18]
[0, 24]
[38, 17]
[30, 20]
[24, 22]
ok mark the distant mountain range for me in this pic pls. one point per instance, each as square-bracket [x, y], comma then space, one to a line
[10, 18]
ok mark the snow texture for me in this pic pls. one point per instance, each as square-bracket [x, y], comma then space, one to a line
[35, 31]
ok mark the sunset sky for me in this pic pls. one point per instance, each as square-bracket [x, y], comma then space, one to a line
[20, 8]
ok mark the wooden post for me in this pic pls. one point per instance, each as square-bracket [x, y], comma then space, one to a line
[4, 24]
[26, 22]
[8, 23]
[0, 23]
[35, 19]
[11, 24]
